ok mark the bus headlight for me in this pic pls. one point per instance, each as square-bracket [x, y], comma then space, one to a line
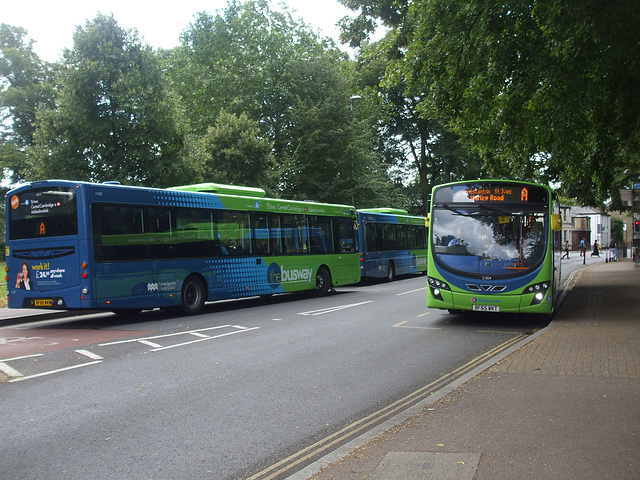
[540, 291]
[436, 285]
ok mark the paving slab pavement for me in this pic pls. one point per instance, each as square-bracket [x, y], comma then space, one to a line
[564, 406]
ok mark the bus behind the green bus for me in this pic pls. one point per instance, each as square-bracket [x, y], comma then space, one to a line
[392, 243]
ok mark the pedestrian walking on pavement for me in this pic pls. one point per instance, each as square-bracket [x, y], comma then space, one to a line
[566, 249]
[596, 249]
[583, 247]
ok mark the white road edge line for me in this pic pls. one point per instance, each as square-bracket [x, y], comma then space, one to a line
[22, 357]
[145, 339]
[54, 371]
[333, 309]
[204, 339]
[411, 291]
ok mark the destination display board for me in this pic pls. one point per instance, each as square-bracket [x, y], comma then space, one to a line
[492, 193]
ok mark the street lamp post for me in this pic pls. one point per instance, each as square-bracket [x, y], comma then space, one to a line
[351, 99]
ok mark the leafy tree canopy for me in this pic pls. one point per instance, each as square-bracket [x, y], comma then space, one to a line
[543, 90]
[258, 62]
[112, 118]
[232, 151]
[25, 85]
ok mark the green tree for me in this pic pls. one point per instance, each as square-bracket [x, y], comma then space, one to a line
[237, 61]
[233, 151]
[617, 231]
[25, 85]
[544, 90]
[414, 146]
[257, 61]
[113, 118]
[327, 146]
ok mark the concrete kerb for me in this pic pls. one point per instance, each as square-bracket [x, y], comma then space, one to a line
[392, 422]
[10, 317]
[387, 425]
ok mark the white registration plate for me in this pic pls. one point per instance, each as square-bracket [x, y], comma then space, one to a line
[486, 308]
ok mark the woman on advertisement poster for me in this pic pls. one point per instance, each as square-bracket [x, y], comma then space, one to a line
[24, 278]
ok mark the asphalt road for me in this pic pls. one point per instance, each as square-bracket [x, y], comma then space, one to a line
[256, 388]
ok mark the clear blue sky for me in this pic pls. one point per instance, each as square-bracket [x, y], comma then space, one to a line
[52, 23]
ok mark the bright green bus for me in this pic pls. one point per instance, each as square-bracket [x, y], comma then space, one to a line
[78, 245]
[494, 246]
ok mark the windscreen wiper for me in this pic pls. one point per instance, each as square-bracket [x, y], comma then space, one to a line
[494, 210]
[458, 212]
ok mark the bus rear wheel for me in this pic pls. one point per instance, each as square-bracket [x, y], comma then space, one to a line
[323, 282]
[193, 295]
[391, 272]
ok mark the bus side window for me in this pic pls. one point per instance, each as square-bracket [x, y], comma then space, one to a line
[111, 221]
[193, 235]
[372, 236]
[320, 234]
[234, 232]
[261, 234]
[412, 237]
[389, 237]
[158, 220]
[158, 228]
[401, 237]
[276, 234]
[120, 237]
[346, 235]
[290, 239]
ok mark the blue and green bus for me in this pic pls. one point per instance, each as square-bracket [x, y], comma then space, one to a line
[494, 246]
[392, 242]
[78, 245]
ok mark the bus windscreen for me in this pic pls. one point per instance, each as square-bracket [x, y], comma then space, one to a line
[46, 212]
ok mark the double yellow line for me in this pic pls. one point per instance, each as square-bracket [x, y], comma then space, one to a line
[288, 464]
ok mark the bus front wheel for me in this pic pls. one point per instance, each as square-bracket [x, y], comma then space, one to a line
[193, 295]
[323, 282]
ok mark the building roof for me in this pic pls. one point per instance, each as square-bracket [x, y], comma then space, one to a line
[586, 211]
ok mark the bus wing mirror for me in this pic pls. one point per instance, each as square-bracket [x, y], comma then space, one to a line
[556, 222]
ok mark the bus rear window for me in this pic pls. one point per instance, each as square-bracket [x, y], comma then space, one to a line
[46, 212]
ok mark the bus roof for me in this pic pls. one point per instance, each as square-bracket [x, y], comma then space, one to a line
[394, 211]
[235, 198]
[223, 189]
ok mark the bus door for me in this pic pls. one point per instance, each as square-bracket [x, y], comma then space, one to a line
[372, 238]
[347, 268]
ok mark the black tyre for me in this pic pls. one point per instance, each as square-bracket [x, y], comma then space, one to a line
[193, 295]
[323, 282]
[391, 272]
